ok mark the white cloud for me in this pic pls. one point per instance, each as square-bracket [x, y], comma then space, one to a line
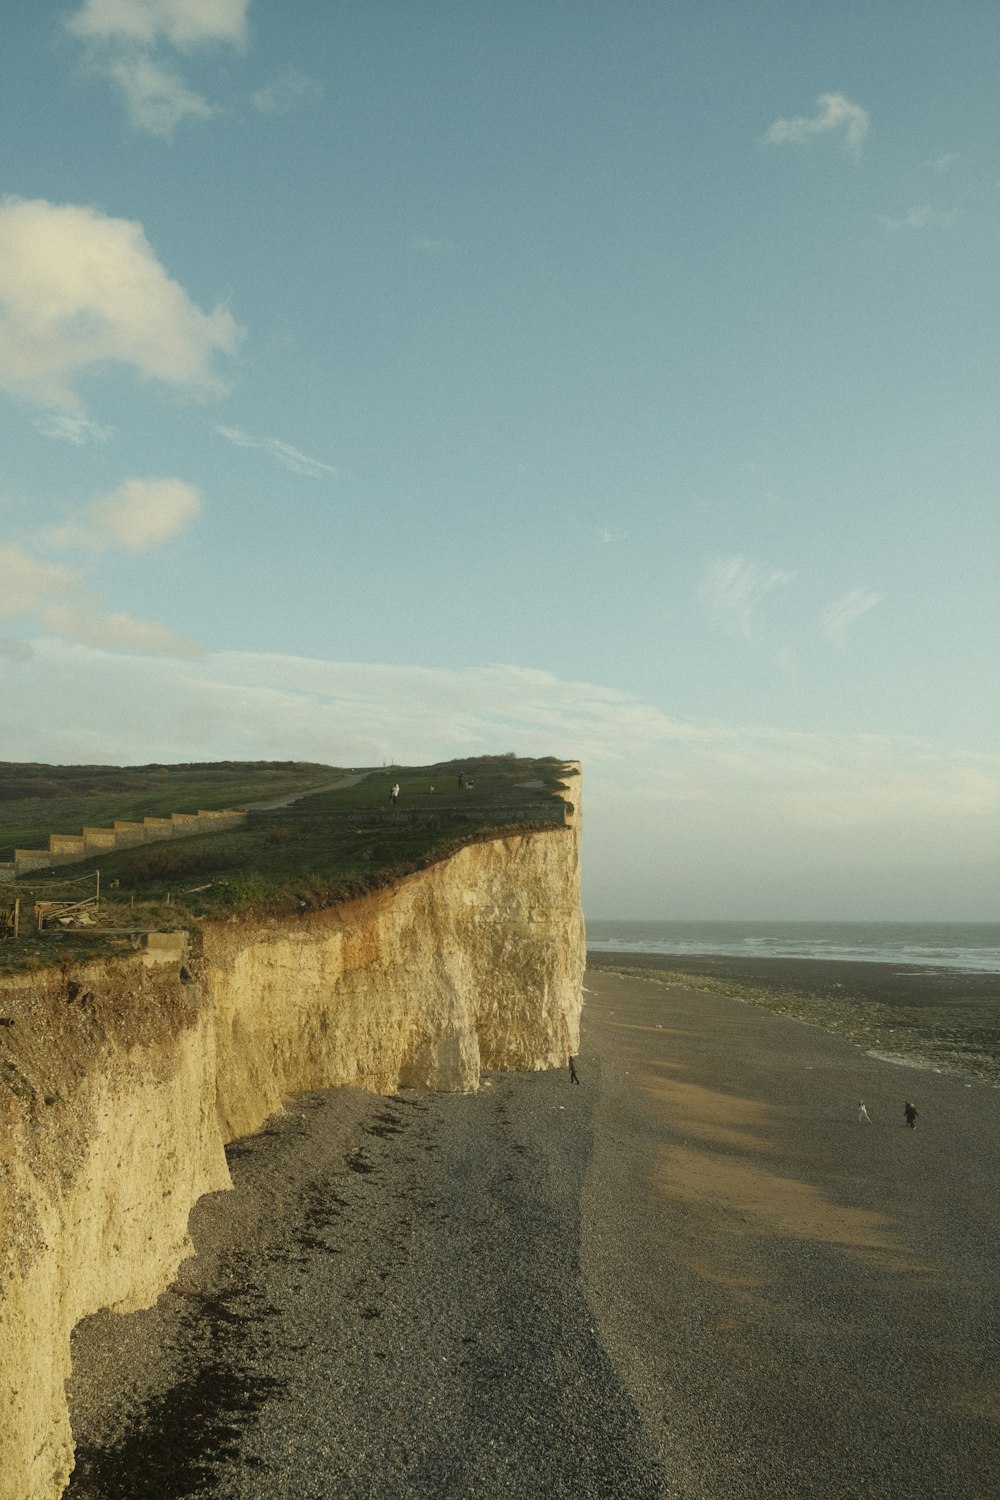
[116, 632]
[287, 92]
[54, 596]
[142, 513]
[26, 583]
[735, 587]
[182, 23]
[139, 515]
[835, 113]
[126, 40]
[292, 458]
[72, 429]
[923, 217]
[846, 611]
[79, 289]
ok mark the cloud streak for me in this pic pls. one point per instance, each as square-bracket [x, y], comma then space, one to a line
[847, 611]
[923, 217]
[284, 453]
[835, 113]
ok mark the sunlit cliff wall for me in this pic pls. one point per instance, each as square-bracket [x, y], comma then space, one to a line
[121, 1082]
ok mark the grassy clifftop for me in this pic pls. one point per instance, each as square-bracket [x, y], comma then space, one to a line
[325, 846]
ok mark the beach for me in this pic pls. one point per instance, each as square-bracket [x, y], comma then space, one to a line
[696, 1274]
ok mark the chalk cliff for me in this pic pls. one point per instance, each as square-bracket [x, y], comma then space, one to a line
[121, 1082]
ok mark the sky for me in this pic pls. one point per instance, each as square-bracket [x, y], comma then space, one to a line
[388, 381]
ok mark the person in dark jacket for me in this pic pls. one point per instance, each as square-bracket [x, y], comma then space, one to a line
[572, 1072]
[910, 1111]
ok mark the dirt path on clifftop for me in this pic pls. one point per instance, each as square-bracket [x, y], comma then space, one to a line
[269, 803]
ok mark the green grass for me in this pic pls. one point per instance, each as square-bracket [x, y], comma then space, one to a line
[324, 849]
[37, 800]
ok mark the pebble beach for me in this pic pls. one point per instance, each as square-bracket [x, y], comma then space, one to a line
[696, 1274]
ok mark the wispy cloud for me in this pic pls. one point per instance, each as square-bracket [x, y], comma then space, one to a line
[290, 90]
[156, 97]
[72, 429]
[835, 113]
[27, 583]
[79, 289]
[735, 587]
[138, 516]
[135, 43]
[847, 611]
[292, 458]
[923, 217]
[941, 165]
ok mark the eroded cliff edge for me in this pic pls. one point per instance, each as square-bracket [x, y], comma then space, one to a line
[125, 1080]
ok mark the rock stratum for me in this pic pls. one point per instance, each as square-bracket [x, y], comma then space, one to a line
[121, 1082]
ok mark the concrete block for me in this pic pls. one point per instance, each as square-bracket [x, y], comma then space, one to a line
[66, 848]
[99, 840]
[157, 828]
[31, 859]
[128, 834]
[164, 948]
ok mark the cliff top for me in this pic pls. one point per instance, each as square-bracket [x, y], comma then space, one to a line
[314, 836]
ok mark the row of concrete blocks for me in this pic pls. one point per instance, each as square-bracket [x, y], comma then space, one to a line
[70, 848]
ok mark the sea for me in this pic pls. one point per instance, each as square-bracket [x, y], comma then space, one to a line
[968, 947]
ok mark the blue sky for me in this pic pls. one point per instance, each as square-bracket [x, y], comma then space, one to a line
[610, 381]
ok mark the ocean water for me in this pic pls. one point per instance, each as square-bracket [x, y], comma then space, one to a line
[971, 947]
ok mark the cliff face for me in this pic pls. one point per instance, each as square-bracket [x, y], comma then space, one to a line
[121, 1082]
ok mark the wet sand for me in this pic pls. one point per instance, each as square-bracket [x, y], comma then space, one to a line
[807, 1305]
[695, 1275]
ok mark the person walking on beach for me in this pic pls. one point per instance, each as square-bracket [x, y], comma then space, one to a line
[572, 1072]
[910, 1111]
[394, 794]
[863, 1116]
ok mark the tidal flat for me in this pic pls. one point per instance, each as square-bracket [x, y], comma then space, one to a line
[939, 1018]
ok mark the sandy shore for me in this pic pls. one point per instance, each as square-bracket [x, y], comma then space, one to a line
[696, 1275]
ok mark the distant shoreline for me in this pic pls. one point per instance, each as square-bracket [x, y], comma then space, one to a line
[946, 1019]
